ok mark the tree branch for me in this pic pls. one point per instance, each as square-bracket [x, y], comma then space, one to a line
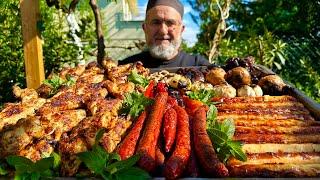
[99, 33]
[221, 29]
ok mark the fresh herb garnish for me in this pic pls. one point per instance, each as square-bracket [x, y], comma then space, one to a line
[137, 78]
[3, 170]
[26, 169]
[202, 95]
[221, 135]
[109, 166]
[56, 82]
[134, 103]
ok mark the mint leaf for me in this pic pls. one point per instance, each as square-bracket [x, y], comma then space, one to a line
[95, 160]
[228, 127]
[123, 164]
[26, 169]
[132, 173]
[43, 164]
[137, 78]
[211, 116]
[20, 163]
[56, 160]
[218, 137]
[236, 151]
[3, 171]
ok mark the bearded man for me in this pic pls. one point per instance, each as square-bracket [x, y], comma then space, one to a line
[163, 30]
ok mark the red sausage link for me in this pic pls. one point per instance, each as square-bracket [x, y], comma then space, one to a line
[149, 139]
[169, 128]
[192, 169]
[203, 146]
[128, 145]
[177, 162]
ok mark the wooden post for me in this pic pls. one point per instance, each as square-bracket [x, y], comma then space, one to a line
[32, 47]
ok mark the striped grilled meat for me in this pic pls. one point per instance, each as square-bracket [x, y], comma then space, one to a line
[281, 138]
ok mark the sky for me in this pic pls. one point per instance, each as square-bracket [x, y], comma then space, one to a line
[191, 30]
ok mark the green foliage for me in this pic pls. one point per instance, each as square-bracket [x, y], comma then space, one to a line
[109, 165]
[221, 135]
[55, 82]
[134, 103]
[282, 35]
[202, 95]
[58, 48]
[26, 169]
[137, 78]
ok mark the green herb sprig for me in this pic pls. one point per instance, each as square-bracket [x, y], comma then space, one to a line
[26, 169]
[221, 135]
[134, 103]
[56, 82]
[109, 165]
[137, 78]
[202, 95]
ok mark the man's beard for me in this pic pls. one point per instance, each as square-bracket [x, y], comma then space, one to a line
[165, 52]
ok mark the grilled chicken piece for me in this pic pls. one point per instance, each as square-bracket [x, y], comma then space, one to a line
[20, 135]
[118, 90]
[82, 137]
[111, 139]
[45, 90]
[49, 127]
[65, 100]
[13, 112]
[37, 151]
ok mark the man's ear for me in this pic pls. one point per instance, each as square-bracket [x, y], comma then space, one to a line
[144, 26]
[183, 27]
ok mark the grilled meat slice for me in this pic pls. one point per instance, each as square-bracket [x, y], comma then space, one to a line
[276, 170]
[22, 134]
[281, 138]
[37, 151]
[112, 138]
[13, 112]
[118, 90]
[48, 127]
[278, 158]
[284, 148]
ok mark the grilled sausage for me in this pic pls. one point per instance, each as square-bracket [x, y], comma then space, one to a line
[169, 128]
[128, 145]
[203, 146]
[177, 162]
[148, 141]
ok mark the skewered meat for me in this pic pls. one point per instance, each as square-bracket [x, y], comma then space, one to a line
[280, 137]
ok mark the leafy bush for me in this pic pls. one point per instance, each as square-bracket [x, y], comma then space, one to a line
[58, 48]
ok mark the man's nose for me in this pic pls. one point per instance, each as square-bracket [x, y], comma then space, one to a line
[163, 29]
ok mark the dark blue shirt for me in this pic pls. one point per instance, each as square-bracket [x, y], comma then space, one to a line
[181, 60]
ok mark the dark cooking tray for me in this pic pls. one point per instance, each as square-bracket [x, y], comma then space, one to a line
[309, 103]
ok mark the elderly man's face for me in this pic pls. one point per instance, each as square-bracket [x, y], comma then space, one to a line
[163, 28]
